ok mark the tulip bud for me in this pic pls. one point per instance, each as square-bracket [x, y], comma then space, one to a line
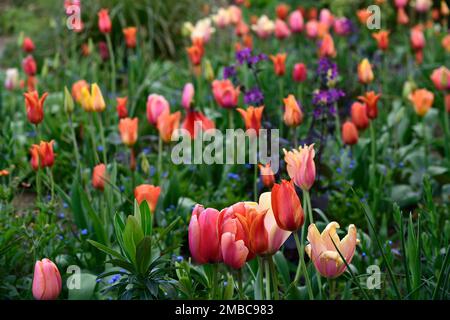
[349, 133]
[35, 106]
[47, 282]
[128, 129]
[28, 45]
[286, 206]
[145, 165]
[296, 21]
[300, 166]
[104, 22]
[365, 73]
[149, 193]
[267, 175]
[156, 105]
[68, 101]
[293, 115]
[359, 115]
[99, 176]
[188, 95]
[422, 101]
[441, 78]
[299, 73]
[209, 72]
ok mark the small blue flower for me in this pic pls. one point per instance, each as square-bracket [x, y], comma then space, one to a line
[61, 215]
[233, 176]
[122, 188]
[84, 232]
[152, 171]
[65, 205]
[165, 174]
[60, 237]
[98, 280]
[179, 258]
[363, 254]
[100, 148]
[114, 278]
[146, 150]
[352, 164]
[339, 170]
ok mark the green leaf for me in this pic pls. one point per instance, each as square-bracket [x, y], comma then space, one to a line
[283, 268]
[144, 255]
[132, 235]
[146, 218]
[229, 288]
[87, 286]
[106, 250]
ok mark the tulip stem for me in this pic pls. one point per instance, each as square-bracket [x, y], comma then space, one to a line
[239, 276]
[102, 137]
[113, 64]
[332, 287]
[214, 281]
[274, 278]
[260, 277]
[159, 168]
[74, 141]
[230, 119]
[302, 263]
[373, 160]
[38, 172]
[94, 145]
[52, 184]
[267, 268]
[338, 125]
[425, 144]
[280, 109]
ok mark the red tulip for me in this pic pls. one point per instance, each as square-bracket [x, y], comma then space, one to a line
[47, 282]
[156, 105]
[282, 11]
[35, 106]
[359, 115]
[42, 155]
[28, 45]
[196, 120]
[286, 206]
[382, 38]
[349, 133]
[104, 22]
[29, 65]
[371, 101]
[267, 175]
[130, 36]
[148, 193]
[122, 110]
[279, 63]
[195, 52]
[299, 73]
[99, 176]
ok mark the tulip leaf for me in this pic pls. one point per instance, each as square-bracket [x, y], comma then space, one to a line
[83, 286]
[132, 236]
[144, 254]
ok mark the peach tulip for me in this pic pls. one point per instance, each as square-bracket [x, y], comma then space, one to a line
[327, 48]
[47, 283]
[99, 176]
[350, 134]
[77, 88]
[149, 193]
[422, 100]
[300, 166]
[167, 124]
[365, 73]
[441, 78]
[128, 129]
[264, 27]
[130, 36]
[359, 115]
[225, 94]
[293, 115]
[371, 101]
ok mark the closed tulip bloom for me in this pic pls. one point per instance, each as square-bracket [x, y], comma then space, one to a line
[441, 78]
[263, 27]
[282, 11]
[204, 237]
[382, 38]
[323, 253]
[128, 129]
[365, 73]
[300, 72]
[29, 66]
[363, 15]
[296, 22]
[446, 43]
[286, 206]
[149, 193]
[279, 63]
[167, 124]
[35, 158]
[417, 38]
[252, 117]
[342, 26]
[422, 100]
[12, 79]
[188, 96]
[281, 29]
[371, 101]
[46, 154]
[195, 54]
[47, 282]
[27, 45]
[293, 115]
[445, 11]
[401, 3]
[423, 5]
[350, 134]
[312, 29]
[402, 17]
[195, 122]
[222, 18]
[121, 107]
[326, 17]
[267, 175]
[225, 94]
[234, 252]
[77, 88]
[359, 115]
[4, 173]
[99, 176]
[35, 106]
[104, 22]
[327, 48]
[300, 166]
[156, 105]
[130, 36]
[92, 101]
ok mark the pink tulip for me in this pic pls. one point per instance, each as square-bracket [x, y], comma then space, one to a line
[296, 21]
[234, 251]
[299, 73]
[326, 17]
[156, 105]
[312, 28]
[188, 95]
[46, 280]
[441, 78]
[301, 167]
[281, 29]
[401, 3]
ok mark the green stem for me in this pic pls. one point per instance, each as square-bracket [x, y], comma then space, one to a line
[113, 64]
[159, 168]
[94, 145]
[274, 278]
[239, 276]
[231, 119]
[425, 144]
[447, 133]
[38, 172]
[102, 137]
[302, 262]
[52, 184]
[267, 268]
[214, 281]
[74, 141]
[337, 125]
[260, 277]
[280, 109]
[373, 163]
[332, 287]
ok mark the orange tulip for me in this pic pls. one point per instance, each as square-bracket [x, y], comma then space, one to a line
[359, 115]
[4, 172]
[326, 48]
[441, 78]
[402, 17]
[422, 100]
[35, 106]
[382, 38]
[349, 133]
[99, 176]
[267, 175]
[323, 253]
[293, 115]
[42, 155]
[104, 22]
[148, 193]
[286, 206]
[363, 15]
[77, 88]
[365, 73]
[282, 11]
[122, 110]
[47, 282]
[195, 53]
[371, 101]
[225, 94]
[252, 117]
[128, 129]
[130, 36]
[279, 63]
[300, 166]
[446, 43]
[167, 124]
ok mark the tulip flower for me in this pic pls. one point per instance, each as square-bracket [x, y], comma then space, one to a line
[293, 115]
[370, 99]
[202, 30]
[281, 29]
[195, 53]
[282, 11]
[286, 206]
[342, 26]
[445, 11]
[264, 27]
[301, 167]
[12, 79]
[252, 118]
[382, 38]
[234, 252]
[242, 29]
[195, 120]
[402, 17]
[42, 155]
[326, 17]
[441, 78]
[401, 3]
[422, 100]
[299, 73]
[104, 22]
[423, 5]
[446, 43]
[27, 45]
[167, 124]
[363, 15]
[349, 133]
[204, 237]
[312, 29]
[156, 105]
[359, 115]
[267, 175]
[222, 19]
[92, 101]
[188, 96]
[29, 65]
[47, 282]
[35, 106]
[225, 94]
[35, 161]
[121, 107]
[417, 39]
[327, 48]
[148, 193]
[323, 253]
[128, 129]
[4, 173]
[130, 36]
[296, 21]
[365, 73]
[279, 63]
[77, 88]
[103, 50]
[99, 176]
